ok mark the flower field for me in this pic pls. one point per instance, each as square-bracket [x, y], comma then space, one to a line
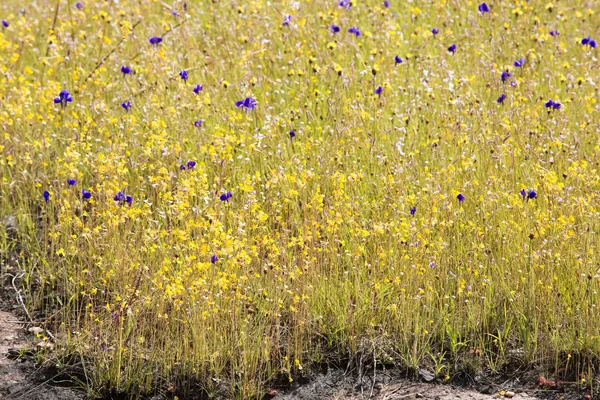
[217, 195]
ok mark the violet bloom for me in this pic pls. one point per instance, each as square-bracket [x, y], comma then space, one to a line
[452, 48]
[214, 259]
[126, 105]
[501, 98]
[378, 91]
[79, 5]
[225, 196]
[292, 134]
[191, 164]
[397, 60]
[125, 70]
[5, 23]
[460, 197]
[347, 4]
[523, 193]
[85, 194]
[182, 167]
[355, 31]
[63, 98]
[435, 31]
[554, 33]
[483, 8]
[552, 105]
[197, 89]
[335, 29]
[155, 40]
[46, 195]
[198, 123]
[531, 195]
[286, 20]
[588, 41]
[505, 75]
[248, 103]
[71, 182]
[413, 210]
[386, 4]
[183, 74]
[119, 197]
[128, 199]
[519, 63]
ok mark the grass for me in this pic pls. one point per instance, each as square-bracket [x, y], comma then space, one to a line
[317, 255]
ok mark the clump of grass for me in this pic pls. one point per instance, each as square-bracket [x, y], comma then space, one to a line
[244, 198]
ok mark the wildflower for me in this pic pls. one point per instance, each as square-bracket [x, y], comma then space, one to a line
[183, 74]
[5, 23]
[397, 60]
[197, 89]
[505, 75]
[588, 41]
[286, 20]
[214, 259]
[554, 33]
[85, 194]
[354, 31]
[460, 197]
[483, 8]
[225, 196]
[554, 105]
[248, 103]
[386, 4]
[191, 164]
[452, 48]
[292, 134]
[63, 98]
[523, 193]
[182, 167]
[531, 195]
[501, 98]
[46, 195]
[378, 91]
[155, 40]
[435, 31]
[335, 29]
[125, 70]
[413, 210]
[126, 105]
[519, 63]
[71, 182]
[121, 198]
[128, 199]
[347, 4]
[79, 5]
[198, 123]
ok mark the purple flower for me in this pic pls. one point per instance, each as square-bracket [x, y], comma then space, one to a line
[483, 8]
[183, 74]
[513, 83]
[182, 167]
[46, 195]
[460, 197]
[452, 48]
[413, 210]
[378, 91]
[523, 193]
[125, 70]
[286, 20]
[397, 60]
[347, 4]
[214, 259]
[79, 5]
[225, 196]
[435, 31]
[119, 197]
[519, 63]
[63, 98]
[71, 182]
[549, 104]
[593, 44]
[155, 40]
[554, 105]
[197, 89]
[5, 23]
[126, 105]
[505, 75]
[354, 31]
[198, 123]
[531, 195]
[292, 134]
[85, 194]
[191, 164]
[586, 40]
[248, 103]
[128, 199]
[554, 33]
[501, 98]
[386, 4]
[335, 29]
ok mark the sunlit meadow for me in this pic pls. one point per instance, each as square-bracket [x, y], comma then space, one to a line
[218, 195]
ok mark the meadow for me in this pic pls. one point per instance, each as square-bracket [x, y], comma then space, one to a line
[218, 195]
